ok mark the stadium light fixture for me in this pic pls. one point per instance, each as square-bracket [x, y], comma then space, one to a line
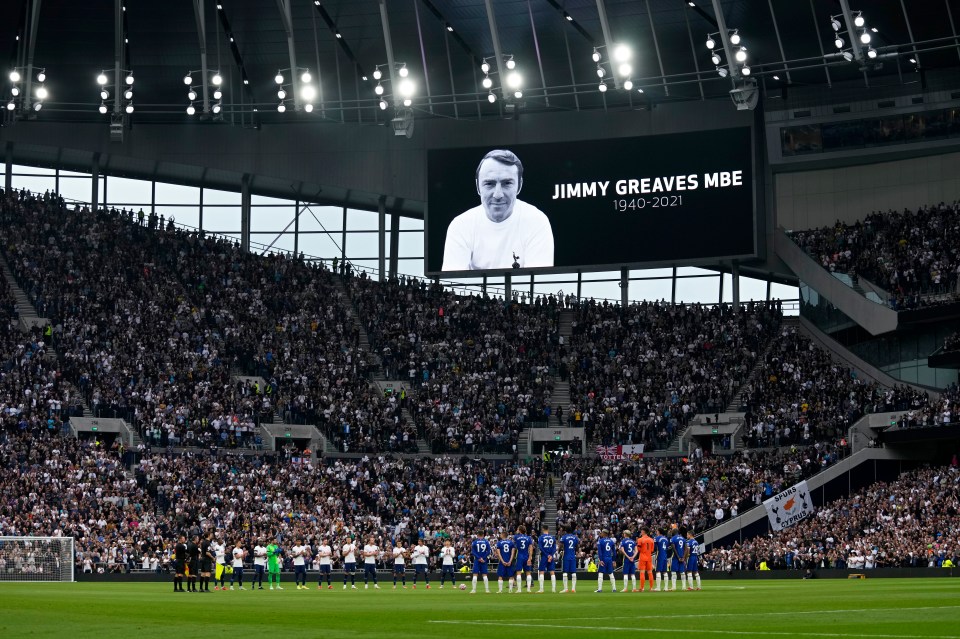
[383, 105]
[11, 105]
[745, 70]
[835, 24]
[217, 107]
[282, 94]
[511, 64]
[871, 53]
[191, 110]
[42, 93]
[858, 20]
[603, 87]
[715, 58]
[625, 69]
[281, 107]
[103, 108]
[188, 79]
[377, 74]
[741, 54]
[865, 37]
[308, 93]
[487, 82]
[722, 71]
[15, 91]
[518, 94]
[279, 78]
[596, 56]
[848, 56]
[129, 79]
[838, 42]
[218, 95]
[308, 107]
[735, 37]
[378, 89]
[403, 71]
[485, 67]
[192, 95]
[514, 80]
[491, 98]
[406, 88]
[628, 85]
[622, 53]
[711, 43]
[128, 94]
[14, 76]
[129, 108]
[42, 76]
[37, 106]
[306, 77]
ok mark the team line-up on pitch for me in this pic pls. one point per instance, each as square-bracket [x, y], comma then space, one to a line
[658, 559]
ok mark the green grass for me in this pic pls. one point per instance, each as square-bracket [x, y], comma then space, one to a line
[888, 609]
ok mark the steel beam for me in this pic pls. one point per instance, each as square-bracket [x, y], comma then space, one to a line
[816, 30]
[285, 17]
[906, 19]
[776, 31]
[724, 34]
[693, 50]
[423, 54]
[852, 30]
[495, 36]
[953, 28]
[656, 47]
[608, 40]
[536, 46]
[34, 18]
[388, 43]
[199, 12]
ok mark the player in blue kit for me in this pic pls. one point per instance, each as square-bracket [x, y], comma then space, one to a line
[569, 544]
[547, 544]
[506, 556]
[524, 544]
[480, 549]
[662, 547]
[606, 549]
[693, 560]
[628, 548]
[678, 546]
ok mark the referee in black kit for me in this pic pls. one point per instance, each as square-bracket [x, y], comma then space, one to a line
[193, 562]
[179, 563]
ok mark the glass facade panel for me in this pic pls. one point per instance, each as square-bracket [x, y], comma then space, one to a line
[221, 218]
[123, 192]
[215, 196]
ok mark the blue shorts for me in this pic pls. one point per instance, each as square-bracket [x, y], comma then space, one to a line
[606, 568]
[300, 570]
[260, 568]
[324, 569]
[629, 567]
[479, 568]
[506, 571]
[420, 568]
[351, 567]
[447, 568]
[370, 569]
[692, 562]
[547, 566]
[521, 563]
[661, 565]
[399, 568]
[677, 566]
[569, 566]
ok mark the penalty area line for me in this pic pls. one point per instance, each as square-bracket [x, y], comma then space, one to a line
[764, 633]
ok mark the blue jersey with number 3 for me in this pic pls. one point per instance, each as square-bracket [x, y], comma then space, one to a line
[523, 544]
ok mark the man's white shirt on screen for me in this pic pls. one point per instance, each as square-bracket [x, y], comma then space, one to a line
[475, 243]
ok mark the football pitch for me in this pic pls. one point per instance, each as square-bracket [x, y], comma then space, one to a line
[889, 609]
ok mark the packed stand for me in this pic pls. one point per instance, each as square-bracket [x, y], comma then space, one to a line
[59, 486]
[910, 522]
[909, 254]
[638, 375]
[801, 396]
[695, 492]
[153, 323]
[481, 367]
[942, 411]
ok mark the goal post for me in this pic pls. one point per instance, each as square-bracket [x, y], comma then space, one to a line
[36, 559]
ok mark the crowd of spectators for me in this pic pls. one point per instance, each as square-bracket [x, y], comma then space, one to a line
[61, 486]
[910, 522]
[696, 492]
[801, 395]
[481, 367]
[952, 342]
[639, 374]
[909, 254]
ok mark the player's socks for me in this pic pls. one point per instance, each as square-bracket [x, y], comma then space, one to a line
[529, 583]
[574, 580]
[659, 580]
[697, 575]
[499, 585]
[540, 579]
[683, 581]
[600, 583]
[486, 583]
[553, 583]
[564, 582]
[474, 583]
[510, 587]
[674, 586]
[634, 581]
[613, 581]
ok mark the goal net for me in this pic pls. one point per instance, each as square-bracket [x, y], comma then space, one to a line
[36, 558]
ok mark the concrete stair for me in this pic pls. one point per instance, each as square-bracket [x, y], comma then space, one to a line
[28, 314]
[550, 503]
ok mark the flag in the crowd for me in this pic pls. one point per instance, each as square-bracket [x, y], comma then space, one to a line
[614, 453]
[789, 506]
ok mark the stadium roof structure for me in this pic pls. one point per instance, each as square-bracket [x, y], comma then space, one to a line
[443, 43]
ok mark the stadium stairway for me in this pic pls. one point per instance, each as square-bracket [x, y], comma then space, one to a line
[560, 397]
[28, 314]
[550, 504]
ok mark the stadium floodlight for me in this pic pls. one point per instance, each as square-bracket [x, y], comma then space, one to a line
[308, 107]
[628, 85]
[625, 69]
[15, 91]
[37, 106]
[407, 102]
[848, 56]
[383, 105]
[306, 77]
[596, 56]
[722, 71]
[838, 42]
[865, 37]
[308, 93]
[102, 108]
[11, 105]
[101, 79]
[377, 74]
[129, 79]
[600, 71]
[449, 27]
[42, 93]
[711, 43]
[282, 94]
[514, 80]
[567, 17]
[741, 55]
[14, 76]
[745, 70]
[622, 53]
[485, 67]
[487, 82]
[859, 21]
[378, 89]
[491, 98]
[403, 72]
[191, 95]
[218, 94]
[129, 108]
[104, 94]
[871, 53]
[128, 94]
[735, 37]
[835, 24]
[281, 107]
[217, 107]
[188, 79]
[511, 64]
[406, 88]
[42, 77]
[518, 94]
[191, 110]
[279, 78]
[603, 87]
[715, 58]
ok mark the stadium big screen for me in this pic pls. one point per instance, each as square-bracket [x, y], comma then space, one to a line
[663, 199]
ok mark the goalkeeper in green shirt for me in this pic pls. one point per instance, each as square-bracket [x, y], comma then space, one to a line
[273, 565]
